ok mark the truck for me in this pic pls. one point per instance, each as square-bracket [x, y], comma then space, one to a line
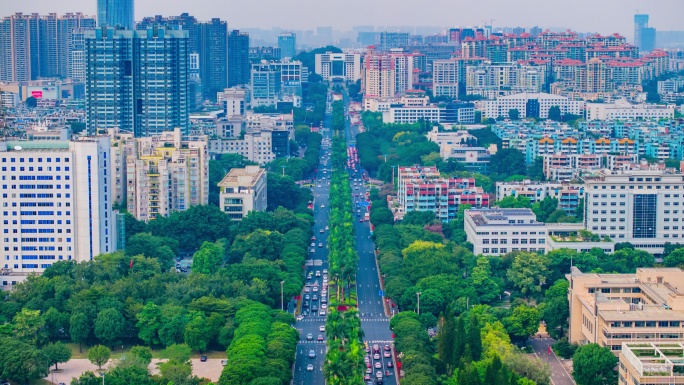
[366, 217]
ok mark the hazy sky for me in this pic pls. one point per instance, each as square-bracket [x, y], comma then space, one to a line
[604, 16]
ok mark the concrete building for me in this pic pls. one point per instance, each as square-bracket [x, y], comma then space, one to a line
[56, 203]
[491, 80]
[339, 66]
[212, 46]
[535, 105]
[423, 189]
[651, 363]
[462, 113]
[238, 58]
[165, 173]
[391, 40]
[568, 195]
[386, 75]
[137, 81]
[640, 207]
[243, 190]
[277, 80]
[115, 14]
[644, 36]
[287, 43]
[499, 231]
[445, 78]
[611, 309]
[624, 110]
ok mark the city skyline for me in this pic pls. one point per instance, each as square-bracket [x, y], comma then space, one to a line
[343, 16]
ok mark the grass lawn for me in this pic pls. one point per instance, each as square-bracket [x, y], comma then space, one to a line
[156, 352]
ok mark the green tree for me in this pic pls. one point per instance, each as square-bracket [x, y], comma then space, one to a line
[675, 258]
[99, 355]
[523, 323]
[528, 272]
[177, 353]
[27, 324]
[514, 202]
[513, 114]
[594, 365]
[143, 353]
[445, 341]
[79, 330]
[109, 326]
[482, 281]
[474, 339]
[555, 113]
[209, 258]
[460, 341]
[56, 353]
[544, 208]
[507, 162]
[162, 248]
[555, 310]
[381, 216]
[20, 362]
[31, 102]
[87, 378]
[197, 333]
[149, 323]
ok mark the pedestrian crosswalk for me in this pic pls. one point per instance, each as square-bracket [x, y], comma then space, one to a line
[374, 319]
[313, 319]
[312, 342]
[380, 342]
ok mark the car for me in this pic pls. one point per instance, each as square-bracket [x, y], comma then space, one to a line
[378, 365]
[300, 317]
[321, 328]
[378, 381]
[323, 206]
[361, 220]
[313, 250]
[305, 313]
[378, 374]
[325, 271]
[387, 348]
[320, 244]
[305, 304]
[321, 312]
[315, 297]
[313, 238]
[224, 362]
[322, 231]
[367, 377]
[324, 300]
[309, 337]
[307, 297]
[307, 289]
[313, 244]
[318, 273]
[369, 370]
[324, 306]
[314, 308]
[308, 277]
[203, 358]
[376, 356]
[312, 354]
[326, 228]
[309, 368]
[315, 289]
[368, 364]
[387, 354]
[390, 364]
[320, 337]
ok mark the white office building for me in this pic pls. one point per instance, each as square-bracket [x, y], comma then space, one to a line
[56, 203]
[499, 231]
[529, 105]
[243, 190]
[339, 66]
[645, 208]
[624, 110]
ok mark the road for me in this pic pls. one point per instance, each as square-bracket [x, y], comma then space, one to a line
[374, 321]
[559, 374]
[316, 261]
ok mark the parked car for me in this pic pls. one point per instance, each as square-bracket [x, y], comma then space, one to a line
[203, 358]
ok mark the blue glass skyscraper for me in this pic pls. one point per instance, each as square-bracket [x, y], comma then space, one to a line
[115, 13]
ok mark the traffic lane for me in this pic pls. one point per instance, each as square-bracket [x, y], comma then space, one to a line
[301, 375]
[559, 374]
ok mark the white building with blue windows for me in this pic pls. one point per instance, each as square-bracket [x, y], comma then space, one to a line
[56, 203]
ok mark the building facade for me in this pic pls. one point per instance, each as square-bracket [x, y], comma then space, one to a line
[535, 105]
[568, 195]
[423, 189]
[641, 207]
[287, 43]
[56, 203]
[164, 173]
[115, 14]
[137, 81]
[238, 58]
[339, 66]
[623, 110]
[243, 190]
[213, 55]
[612, 309]
[637, 364]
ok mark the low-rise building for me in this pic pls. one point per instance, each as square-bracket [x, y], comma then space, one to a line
[653, 362]
[624, 110]
[499, 231]
[423, 189]
[611, 309]
[532, 105]
[568, 195]
[463, 113]
[339, 66]
[243, 190]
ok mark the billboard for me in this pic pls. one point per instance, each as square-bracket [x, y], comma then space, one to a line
[44, 92]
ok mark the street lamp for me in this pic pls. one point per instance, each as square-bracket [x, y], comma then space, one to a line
[393, 167]
[418, 294]
[102, 373]
[282, 298]
[283, 170]
[385, 156]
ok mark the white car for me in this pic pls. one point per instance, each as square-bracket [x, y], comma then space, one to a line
[322, 206]
[313, 244]
[309, 368]
[321, 328]
[321, 312]
[324, 306]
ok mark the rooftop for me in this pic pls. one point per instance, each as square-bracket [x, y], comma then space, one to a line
[247, 176]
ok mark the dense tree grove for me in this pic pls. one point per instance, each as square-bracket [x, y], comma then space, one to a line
[132, 297]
